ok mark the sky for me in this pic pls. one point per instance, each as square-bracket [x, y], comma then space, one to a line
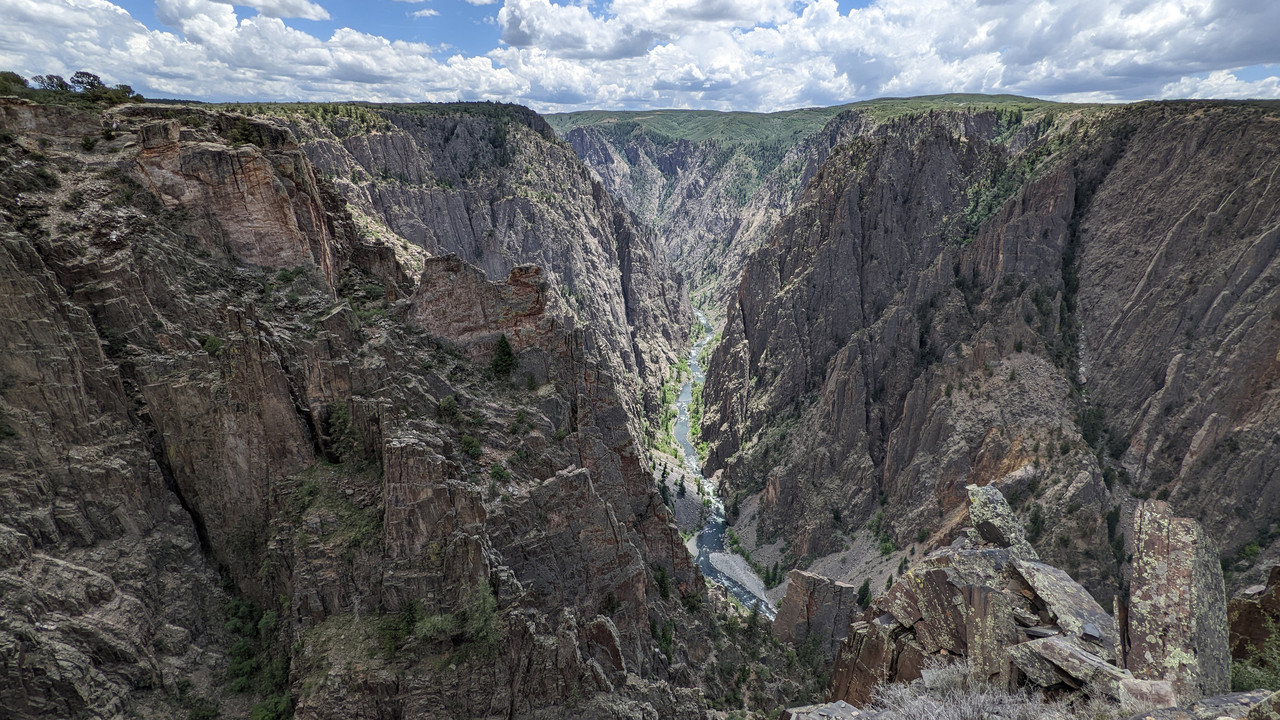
[755, 55]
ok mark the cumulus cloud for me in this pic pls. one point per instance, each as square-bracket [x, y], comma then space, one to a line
[425, 12]
[572, 31]
[303, 9]
[1222, 84]
[721, 54]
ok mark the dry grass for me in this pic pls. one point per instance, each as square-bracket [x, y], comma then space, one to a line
[947, 692]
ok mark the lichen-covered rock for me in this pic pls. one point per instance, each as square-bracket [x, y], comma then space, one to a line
[995, 521]
[1267, 709]
[1053, 660]
[1232, 706]
[1176, 619]
[1010, 617]
[876, 651]
[1078, 615]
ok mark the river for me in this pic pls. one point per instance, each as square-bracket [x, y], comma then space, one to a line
[717, 564]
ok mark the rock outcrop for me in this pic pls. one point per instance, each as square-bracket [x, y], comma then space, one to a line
[1174, 626]
[1268, 709]
[496, 189]
[1233, 706]
[1250, 615]
[1014, 620]
[815, 607]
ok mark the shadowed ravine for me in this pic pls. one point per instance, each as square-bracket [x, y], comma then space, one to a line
[707, 546]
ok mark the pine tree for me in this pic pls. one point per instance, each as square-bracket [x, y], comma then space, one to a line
[504, 360]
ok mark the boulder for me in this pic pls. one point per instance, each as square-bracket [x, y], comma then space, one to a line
[1175, 627]
[1054, 660]
[995, 522]
[875, 652]
[1267, 709]
[838, 710]
[1232, 706]
[1076, 612]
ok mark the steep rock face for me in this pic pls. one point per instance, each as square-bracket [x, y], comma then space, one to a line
[940, 308]
[712, 201]
[497, 189]
[815, 607]
[208, 370]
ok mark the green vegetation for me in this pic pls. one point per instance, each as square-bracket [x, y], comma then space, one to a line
[1261, 670]
[701, 125]
[665, 438]
[254, 663]
[473, 629]
[84, 89]
[662, 580]
[504, 360]
[211, 344]
[864, 593]
[342, 119]
[772, 575]
[1004, 180]
[447, 408]
[1035, 524]
[344, 442]
[880, 530]
[471, 447]
[695, 421]
[348, 524]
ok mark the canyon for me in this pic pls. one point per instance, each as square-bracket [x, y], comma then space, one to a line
[353, 410]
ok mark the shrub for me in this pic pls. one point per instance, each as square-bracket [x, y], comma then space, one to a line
[394, 629]
[346, 443]
[471, 447]
[1035, 525]
[663, 581]
[436, 628]
[211, 344]
[1261, 669]
[448, 407]
[274, 707]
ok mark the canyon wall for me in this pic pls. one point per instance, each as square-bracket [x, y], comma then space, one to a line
[255, 439]
[1076, 305]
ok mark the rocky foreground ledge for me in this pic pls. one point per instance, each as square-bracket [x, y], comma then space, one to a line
[1016, 626]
